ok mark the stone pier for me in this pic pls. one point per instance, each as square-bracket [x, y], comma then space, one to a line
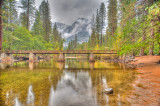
[91, 58]
[61, 57]
[32, 57]
[6, 57]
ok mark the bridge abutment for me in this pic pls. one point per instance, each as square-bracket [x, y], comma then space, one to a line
[91, 58]
[61, 57]
[6, 57]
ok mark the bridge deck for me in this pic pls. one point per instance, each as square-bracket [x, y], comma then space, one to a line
[64, 52]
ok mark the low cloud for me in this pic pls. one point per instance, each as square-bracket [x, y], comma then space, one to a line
[67, 11]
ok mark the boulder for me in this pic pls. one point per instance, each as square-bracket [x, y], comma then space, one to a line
[108, 91]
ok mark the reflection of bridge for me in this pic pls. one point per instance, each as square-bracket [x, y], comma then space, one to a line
[32, 56]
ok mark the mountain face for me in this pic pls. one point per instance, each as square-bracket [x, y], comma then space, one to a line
[81, 27]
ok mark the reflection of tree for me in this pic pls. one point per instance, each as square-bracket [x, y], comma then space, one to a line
[66, 84]
[19, 80]
[119, 80]
[77, 63]
[2, 100]
[30, 97]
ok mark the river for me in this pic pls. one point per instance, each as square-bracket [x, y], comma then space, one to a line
[73, 83]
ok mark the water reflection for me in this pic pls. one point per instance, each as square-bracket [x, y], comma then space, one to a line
[17, 102]
[119, 100]
[61, 65]
[30, 97]
[51, 96]
[75, 83]
[91, 65]
[73, 90]
[31, 65]
[6, 65]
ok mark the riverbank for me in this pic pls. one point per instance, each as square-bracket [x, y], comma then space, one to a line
[146, 88]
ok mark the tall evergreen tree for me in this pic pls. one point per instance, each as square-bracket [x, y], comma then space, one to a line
[102, 15]
[98, 26]
[112, 16]
[75, 41]
[38, 26]
[10, 15]
[28, 7]
[46, 19]
[55, 32]
[93, 21]
[1, 24]
[98, 23]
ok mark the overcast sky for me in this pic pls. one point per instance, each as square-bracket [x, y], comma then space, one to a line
[67, 11]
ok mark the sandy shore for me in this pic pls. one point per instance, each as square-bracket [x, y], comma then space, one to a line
[146, 88]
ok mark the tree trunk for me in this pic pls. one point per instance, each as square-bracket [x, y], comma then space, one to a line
[159, 47]
[143, 39]
[152, 42]
[1, 25]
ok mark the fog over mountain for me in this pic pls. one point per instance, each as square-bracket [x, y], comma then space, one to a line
[67, 11]
[73, 17]
[81, 27]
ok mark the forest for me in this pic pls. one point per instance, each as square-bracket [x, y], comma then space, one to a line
[31, 29]
[133, 27]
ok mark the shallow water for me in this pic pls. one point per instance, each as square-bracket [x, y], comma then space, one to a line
[73, 83]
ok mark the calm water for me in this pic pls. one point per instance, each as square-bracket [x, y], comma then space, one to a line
[73, 83]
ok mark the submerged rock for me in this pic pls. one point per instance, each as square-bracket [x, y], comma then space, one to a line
[108, 91]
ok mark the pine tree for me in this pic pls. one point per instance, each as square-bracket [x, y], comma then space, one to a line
[93, 22]
[93, 34]
[46, 19]
[28, 7]
[1, 24]
[112, 16]
[10, 15]
[38, 26]
[102, 15]
[23, 19]
[98, 26]
[55, 32]
[93, 38]
[76, 41]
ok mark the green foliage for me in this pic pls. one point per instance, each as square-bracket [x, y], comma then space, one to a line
[28, 7]
[26, 40]
[46, 19]
[38, 25]
[136, 32]
[56, 38]
[16, 34]
[21, 39]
